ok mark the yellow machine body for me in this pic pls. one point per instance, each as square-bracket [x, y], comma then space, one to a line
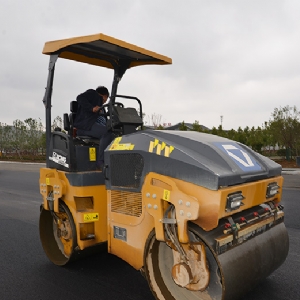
[96, 211]
[188, 209]
[87, 205]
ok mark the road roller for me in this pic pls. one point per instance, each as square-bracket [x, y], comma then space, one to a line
[199, 215]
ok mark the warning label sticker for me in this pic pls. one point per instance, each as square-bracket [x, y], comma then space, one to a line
[127, 146]
[92, 152]
[166, 195]
[92, 217]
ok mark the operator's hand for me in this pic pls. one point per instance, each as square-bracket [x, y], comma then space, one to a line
[96, 109]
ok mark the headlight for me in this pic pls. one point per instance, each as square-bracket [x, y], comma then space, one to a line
[272, 189]
[234, 201]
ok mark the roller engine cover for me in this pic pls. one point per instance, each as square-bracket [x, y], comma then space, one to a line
[203, 159]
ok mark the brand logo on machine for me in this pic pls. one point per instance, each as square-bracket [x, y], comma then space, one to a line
[245, 160]
[237, 154]
[59, 159]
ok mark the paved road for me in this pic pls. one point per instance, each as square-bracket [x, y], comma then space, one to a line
[26, 273]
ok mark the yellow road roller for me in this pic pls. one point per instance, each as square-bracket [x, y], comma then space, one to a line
[198, 214]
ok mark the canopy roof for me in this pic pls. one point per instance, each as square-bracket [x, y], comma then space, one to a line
[105, 51]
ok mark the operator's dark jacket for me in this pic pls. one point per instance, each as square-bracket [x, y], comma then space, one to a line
[85, 117]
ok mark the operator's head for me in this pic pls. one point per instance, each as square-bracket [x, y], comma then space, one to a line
[103, 91]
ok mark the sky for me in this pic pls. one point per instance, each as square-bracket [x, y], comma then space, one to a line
[234, 62]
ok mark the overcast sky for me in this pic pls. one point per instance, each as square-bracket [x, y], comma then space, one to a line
[237, 59]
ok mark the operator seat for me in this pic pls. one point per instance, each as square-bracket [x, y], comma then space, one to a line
[72, 131]
[70, 152]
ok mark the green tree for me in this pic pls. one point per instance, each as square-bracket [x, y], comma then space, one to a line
[197, 126]
[255, 139]
[218, 131]
[241, 135]
[214, 131]
[182, 126]
[231, 134]
[221, 132]
[34, 129]
[6, 136]
[18, 137]
[42, 143]
[160, 127]
[268, 139]
[285, 127]
[1, 139]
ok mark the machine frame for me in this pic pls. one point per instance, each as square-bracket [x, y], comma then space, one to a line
[99, 50]
[198, 214]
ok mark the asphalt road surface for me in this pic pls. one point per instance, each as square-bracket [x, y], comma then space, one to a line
[26, 273]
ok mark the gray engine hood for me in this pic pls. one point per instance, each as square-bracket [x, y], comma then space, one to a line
[204, 159]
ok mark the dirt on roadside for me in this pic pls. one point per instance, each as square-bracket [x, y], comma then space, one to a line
[289, 164]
